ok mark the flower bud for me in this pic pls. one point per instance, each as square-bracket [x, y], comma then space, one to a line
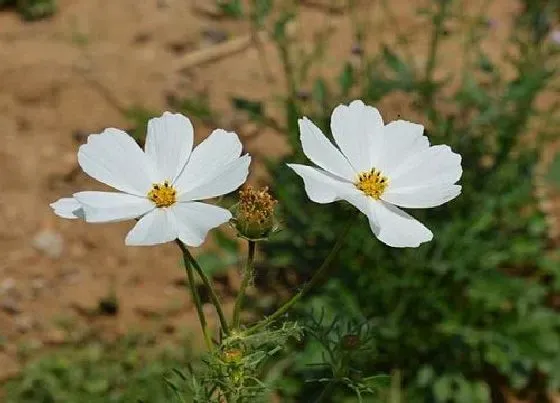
[254, 216]
[232, 356]
[350, 342]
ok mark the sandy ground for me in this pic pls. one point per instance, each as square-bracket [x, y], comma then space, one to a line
[73, 74]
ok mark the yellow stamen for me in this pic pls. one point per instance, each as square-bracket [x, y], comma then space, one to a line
[373, 183]
[163, 194]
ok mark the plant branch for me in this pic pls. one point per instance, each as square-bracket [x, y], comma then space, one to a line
[317, 277]
[247, 275]
[195, 296]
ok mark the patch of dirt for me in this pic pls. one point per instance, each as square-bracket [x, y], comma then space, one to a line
[75, 73]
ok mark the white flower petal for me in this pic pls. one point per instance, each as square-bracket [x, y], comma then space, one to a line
[396, 228]
[358, 129]
[228, 178]
[208, 159]
[435, 165]
[158, 226]
[322, 152]
[422, 196]
[114, 158]
[193, 220]
[112, 207]
[360, 200]
[401, 139]
[169, 143]
[68, 208]
[321, 186]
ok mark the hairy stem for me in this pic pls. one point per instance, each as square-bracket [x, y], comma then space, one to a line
[247, 275]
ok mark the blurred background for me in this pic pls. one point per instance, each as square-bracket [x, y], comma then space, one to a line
[473, 316]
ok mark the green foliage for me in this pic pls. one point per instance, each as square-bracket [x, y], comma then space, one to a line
[122, 372]
[339, 346]
[553, 174]
[31, 9]
[232, 8]
[236, 370]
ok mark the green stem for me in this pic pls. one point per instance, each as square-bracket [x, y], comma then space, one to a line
[247, 275]
[317, 277]
[196, 297]
[207, 283]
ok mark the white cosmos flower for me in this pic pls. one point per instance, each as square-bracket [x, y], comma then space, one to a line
[160, 185]
[378, 167]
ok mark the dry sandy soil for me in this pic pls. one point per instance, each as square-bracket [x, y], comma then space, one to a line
[73, 74]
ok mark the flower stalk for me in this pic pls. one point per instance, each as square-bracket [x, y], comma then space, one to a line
[247, 275]
[196, 297]
[191, 261]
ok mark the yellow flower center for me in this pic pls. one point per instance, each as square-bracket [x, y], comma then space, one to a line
[163, 194]
[373, 183]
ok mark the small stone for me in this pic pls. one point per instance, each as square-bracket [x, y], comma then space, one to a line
[491, 23]
[55, 337]
[38, 283]
[8, 285]
[70, 276]
[49, 242]
[10, 306]
[214, 35]
[179, 47]
[555, 37]
[24, 323]
[357, 49]
[303, 95]
[169, 328]
[85, 308]
[37, 286]
[142, 37]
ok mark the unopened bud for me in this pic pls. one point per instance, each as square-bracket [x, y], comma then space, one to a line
[350, 342]
[254, 218]
[232, 356]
